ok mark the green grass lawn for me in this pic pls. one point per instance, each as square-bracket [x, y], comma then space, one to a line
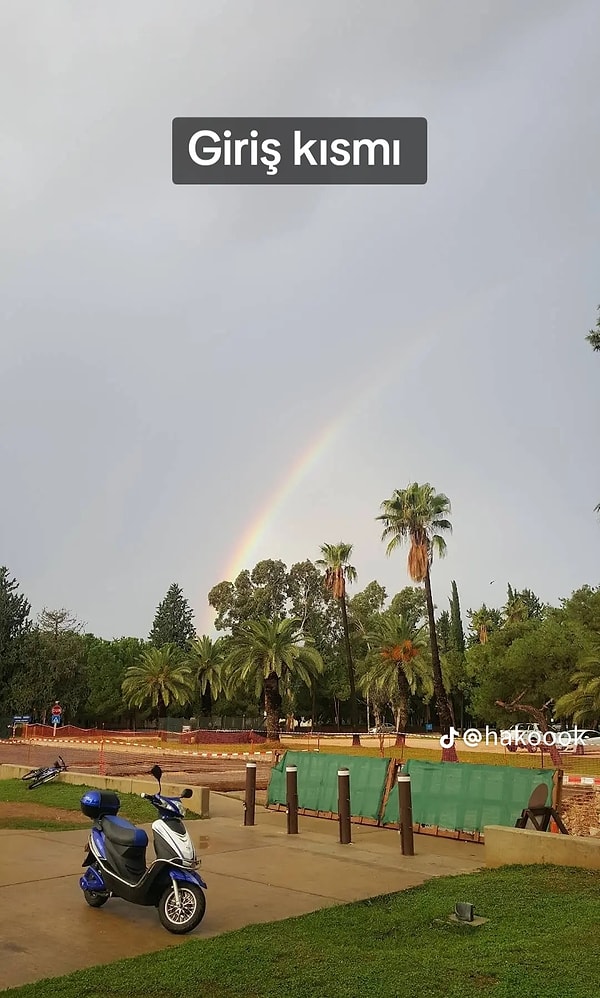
[66, 796]
[541, 941]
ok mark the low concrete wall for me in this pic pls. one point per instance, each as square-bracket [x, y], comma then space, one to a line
[508, 846]
[199, 802]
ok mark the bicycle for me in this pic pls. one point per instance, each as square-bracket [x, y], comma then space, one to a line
[37, 777]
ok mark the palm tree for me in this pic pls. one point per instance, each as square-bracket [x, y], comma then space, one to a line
[583, 703]
[418, 515]
[206, 662]
[481, 623]
[396, 660]
[335, 561]
[160, 678]
[268, 653]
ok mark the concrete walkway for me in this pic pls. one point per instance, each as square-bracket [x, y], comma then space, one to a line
[257, 874]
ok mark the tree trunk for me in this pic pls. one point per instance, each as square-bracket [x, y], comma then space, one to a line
[441, 697]
[272, 706]
[336, 712]
[539, 716]
[403, 701]
[207, 700]
[161, 710]
[353, 703]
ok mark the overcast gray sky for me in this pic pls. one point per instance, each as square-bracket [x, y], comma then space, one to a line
[172, 356]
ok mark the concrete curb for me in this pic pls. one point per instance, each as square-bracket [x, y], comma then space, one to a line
[524, 846]
[199, 802]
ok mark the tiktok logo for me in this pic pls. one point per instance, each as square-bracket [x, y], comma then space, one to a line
[447, 741]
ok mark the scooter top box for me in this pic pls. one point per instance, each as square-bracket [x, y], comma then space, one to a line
[98, 803]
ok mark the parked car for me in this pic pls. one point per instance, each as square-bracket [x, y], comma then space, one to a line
[518, 733]
[383, 729]
[585, 736]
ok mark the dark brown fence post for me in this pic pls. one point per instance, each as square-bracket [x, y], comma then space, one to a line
[344, 811]
[405, 822]
[291, 780]
[250, 801]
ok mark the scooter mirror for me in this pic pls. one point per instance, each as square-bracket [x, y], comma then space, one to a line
[187, 793]
[156, 772]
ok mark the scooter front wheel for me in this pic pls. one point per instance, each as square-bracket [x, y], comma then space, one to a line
[184, 916]
[95, 900]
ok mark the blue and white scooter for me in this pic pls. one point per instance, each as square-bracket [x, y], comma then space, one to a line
[116, 859]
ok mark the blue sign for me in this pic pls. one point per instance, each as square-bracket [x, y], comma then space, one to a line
[21, 720]
[56, 718]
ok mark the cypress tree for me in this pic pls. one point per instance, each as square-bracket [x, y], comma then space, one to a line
[456, 627]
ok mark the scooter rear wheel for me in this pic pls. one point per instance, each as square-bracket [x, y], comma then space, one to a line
[184, 917]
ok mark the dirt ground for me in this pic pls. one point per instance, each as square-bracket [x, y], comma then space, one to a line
[13, 809]
[581, 813]
[219, 774]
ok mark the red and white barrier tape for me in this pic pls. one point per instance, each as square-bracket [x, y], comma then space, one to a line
[167, 751]
[581, 781]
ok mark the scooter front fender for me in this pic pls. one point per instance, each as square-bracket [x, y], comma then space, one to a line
[92, 881]
[188, 875]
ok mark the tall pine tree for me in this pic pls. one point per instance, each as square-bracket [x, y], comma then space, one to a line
[15, 624]
[173, 621]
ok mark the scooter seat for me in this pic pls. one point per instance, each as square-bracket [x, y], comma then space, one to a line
[123, 833]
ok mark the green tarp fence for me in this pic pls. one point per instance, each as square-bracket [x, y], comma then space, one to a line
[466, 797]
[450, 795]
[317, 782]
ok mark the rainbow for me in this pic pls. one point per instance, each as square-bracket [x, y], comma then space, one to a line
[244, 554]
[394, 369]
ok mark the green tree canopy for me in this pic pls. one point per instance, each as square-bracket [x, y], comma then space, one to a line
[262, 592]
[482, 623]
[107, 663]
[396, 662]
[54, 668]
[173, 621]
[593, 336]
[160, 679]
[205, 659]
[269, 655]
[15, 624]
[411, 603]
[582, 703]
[582, 609]
[534, 658]
[523, 605]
